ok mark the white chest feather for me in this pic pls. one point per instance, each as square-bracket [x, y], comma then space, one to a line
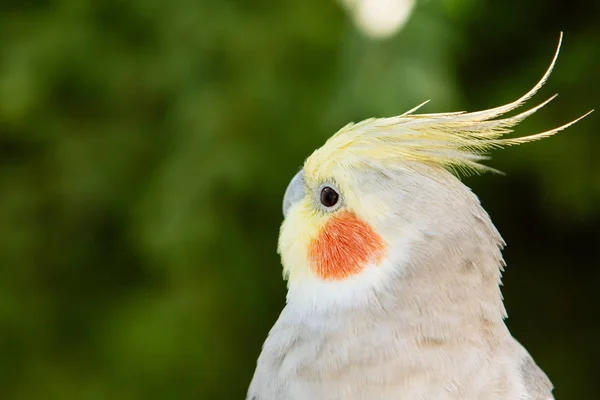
[369, 358]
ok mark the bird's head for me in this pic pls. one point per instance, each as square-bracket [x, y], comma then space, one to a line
[380, 198]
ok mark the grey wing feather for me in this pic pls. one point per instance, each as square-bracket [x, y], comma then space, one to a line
[536, 382]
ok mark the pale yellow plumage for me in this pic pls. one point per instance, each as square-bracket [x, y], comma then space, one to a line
[457, 140]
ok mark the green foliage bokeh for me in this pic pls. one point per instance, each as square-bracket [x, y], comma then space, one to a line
[145, 147]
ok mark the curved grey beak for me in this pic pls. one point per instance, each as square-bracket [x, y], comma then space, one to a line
[294, 192]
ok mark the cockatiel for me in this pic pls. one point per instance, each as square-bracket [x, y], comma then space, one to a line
[394, 267]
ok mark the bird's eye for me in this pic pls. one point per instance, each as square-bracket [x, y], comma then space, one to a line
[329, 197]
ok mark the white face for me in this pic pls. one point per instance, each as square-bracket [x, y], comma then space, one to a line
[402, 208]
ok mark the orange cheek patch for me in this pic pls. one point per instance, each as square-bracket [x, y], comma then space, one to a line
[344, 247]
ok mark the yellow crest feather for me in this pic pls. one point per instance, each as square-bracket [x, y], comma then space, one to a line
[457, 141]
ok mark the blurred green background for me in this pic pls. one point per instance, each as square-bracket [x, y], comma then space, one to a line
[145, 147]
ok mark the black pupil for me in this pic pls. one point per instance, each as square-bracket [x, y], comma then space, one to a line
[329, 197]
